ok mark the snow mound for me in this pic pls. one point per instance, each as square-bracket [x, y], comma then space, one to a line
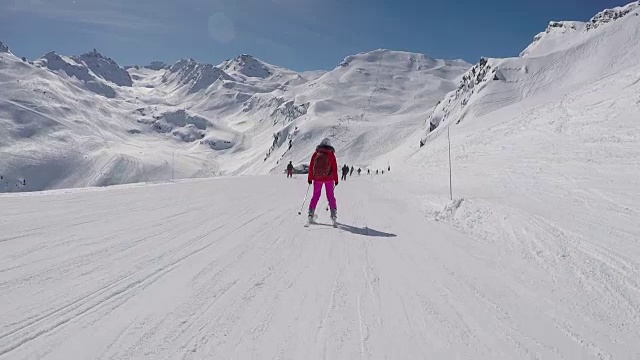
[220, 141]
[180, 124]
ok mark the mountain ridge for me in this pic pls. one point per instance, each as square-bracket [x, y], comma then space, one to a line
[244, 121]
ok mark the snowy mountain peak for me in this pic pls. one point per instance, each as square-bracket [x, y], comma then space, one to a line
[555, 30]
[54, 61]
[4, 48]
[93, 54]
[369, 56]
[609, 15]
[371, 63]
[157, 65]
[105, 68]
[87, 67]
[248, 66]
[562, 26]
[554, 37]
[193, 75]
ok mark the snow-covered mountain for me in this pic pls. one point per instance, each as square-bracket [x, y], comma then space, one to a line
[247, 66]
[190, 119]
[157, 65]
[566, 56]
[246, 116]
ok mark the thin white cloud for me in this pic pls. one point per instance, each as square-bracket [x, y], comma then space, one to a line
[221, 28]
[115, 14]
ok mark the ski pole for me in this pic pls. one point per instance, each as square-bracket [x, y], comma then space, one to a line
[305, 199]
[334, 189]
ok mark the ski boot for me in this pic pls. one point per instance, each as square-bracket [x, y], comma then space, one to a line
[311, 217]
[334, 217]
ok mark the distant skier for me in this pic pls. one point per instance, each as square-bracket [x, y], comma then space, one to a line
[359, 170]
[351, 172]
[345, 172]
[290, 170]
[323, 170]
[376, 172]
[389, 168]
[368, 171]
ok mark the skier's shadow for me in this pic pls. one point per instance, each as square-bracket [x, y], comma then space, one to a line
[365, 231]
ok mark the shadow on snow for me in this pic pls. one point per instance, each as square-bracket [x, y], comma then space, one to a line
[365, 231]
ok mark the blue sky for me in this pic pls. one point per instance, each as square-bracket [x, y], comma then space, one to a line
[298, 34]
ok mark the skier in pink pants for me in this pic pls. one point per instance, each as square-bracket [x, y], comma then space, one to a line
[323, 171]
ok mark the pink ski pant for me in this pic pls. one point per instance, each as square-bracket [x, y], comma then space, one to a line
[317, 190]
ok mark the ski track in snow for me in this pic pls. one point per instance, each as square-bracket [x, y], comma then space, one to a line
[225, 269]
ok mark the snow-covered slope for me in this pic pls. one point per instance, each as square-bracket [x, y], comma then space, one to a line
[545, 154]
[223, 268]
[568, 55]
[191, 119]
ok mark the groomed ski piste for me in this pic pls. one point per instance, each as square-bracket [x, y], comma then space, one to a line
[535, 256]
[225, 269]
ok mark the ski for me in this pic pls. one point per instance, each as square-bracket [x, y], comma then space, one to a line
[312, 221]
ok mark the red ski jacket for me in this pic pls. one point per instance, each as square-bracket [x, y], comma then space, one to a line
[333, 173]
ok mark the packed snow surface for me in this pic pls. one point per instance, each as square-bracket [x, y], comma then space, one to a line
[224, 268]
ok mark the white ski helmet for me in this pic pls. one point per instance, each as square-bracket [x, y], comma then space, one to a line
[325, 142]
